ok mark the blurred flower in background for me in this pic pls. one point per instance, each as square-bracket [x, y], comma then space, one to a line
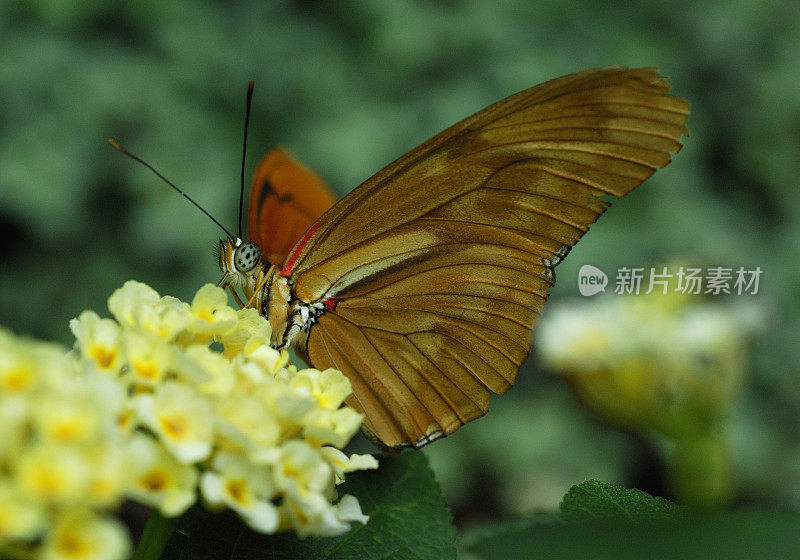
[145, 408]
[669, 367]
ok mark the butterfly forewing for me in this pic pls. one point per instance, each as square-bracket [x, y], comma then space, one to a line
[435, 270]
[285, 199]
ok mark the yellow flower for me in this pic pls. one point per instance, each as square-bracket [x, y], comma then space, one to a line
[14, 421]
[218, 371]
[348, 509]
[669, 366]
[640, 362]
[579, 338]
[290, 406]
[166, 318]
[250, 326]
[330, 387]
[80, 534]
[147, 356]
[243, 487]
[20, 518]
[182, 420]
[53, 474]
[342, 464]
[98, 340]
[268, 360]
[131, 301]
[159, 480]
[210, 312]
[109, 475]
[332, 427]
[19, 365]
[66, 418]
[312, 514]
[248, 423]
[143, 405]
[77, 410]
[300, 470]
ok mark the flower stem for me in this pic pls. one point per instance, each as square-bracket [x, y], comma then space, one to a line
[156, 534]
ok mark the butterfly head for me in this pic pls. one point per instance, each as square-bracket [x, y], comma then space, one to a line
[246, 256]
[239, 261]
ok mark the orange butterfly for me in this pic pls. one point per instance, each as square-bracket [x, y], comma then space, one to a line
[424, 283]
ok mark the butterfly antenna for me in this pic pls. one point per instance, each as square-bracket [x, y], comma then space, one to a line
[167, 181]
[244, 152]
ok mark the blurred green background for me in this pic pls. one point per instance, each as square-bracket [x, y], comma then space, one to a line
[348, 87]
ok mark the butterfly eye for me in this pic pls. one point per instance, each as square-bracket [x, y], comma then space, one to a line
[247, 256]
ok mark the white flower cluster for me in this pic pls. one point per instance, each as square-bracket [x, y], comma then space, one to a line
[651, 361]
[166, 404]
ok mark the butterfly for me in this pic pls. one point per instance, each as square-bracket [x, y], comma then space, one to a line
[424, 283]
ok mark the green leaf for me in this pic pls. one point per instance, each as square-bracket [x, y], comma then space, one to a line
[598, 500]
[408, 520]
[155, 536]
[742, 535]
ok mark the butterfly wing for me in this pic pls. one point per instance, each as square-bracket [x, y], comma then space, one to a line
[285, 199]
[435, 270]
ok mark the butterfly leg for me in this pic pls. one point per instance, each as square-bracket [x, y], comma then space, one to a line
[236, 297]
[257, 292]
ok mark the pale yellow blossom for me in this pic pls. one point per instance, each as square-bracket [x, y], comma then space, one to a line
[159, 480]
[166, 318]
[14, 419]
[181, 418]
[332, 427]
[301, 470]
[348, 509]
[245, 488]
[53, 474]
[20, 517]
[109, 475]
[80, 534]
[131, 301]
[219, 375]
[158, 404]
[668, 366]
[250, 326]
[20, 370]
[269, 360]
[147, 356]
[312, 514]
[290, 406]
[343, 464]
[210, 312]
[329, 386]
[66, 418]
[98, 340]
[248, 423]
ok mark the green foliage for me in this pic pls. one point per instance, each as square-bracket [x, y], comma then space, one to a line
[599, 500]
[733, 536]
[600, 520]
[408, 521]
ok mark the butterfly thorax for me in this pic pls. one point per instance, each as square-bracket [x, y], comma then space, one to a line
[268, 291]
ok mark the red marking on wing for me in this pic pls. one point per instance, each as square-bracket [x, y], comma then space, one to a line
[330, 303]
[287, 268]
